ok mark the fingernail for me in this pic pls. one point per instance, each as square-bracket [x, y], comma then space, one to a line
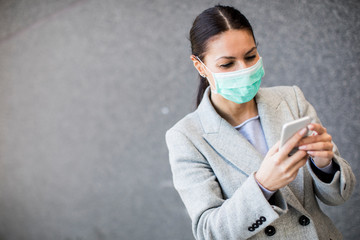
[310, 152]
[303, 131]
[302, 147]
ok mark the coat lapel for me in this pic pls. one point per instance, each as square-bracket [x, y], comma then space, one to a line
[236, 150]
[226, 140]
[273, 112]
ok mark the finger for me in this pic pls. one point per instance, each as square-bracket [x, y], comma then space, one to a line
[321, 154]
[317, 128]
[293, 160]
[307, 140]
[316, 138]
[292, 142]
[318, 146]
[297, 156]
[300, 163]
[293, 170]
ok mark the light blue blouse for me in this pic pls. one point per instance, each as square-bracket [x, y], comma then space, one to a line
[251, 129]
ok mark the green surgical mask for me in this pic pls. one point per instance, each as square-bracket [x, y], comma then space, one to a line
[239, 86]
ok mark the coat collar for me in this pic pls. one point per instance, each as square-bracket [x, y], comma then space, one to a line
[270, 108]
[234, 148]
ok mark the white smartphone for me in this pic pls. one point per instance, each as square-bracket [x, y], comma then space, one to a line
[289, 129]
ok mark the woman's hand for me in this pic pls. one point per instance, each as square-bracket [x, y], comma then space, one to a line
[318, 145]
[278, 169]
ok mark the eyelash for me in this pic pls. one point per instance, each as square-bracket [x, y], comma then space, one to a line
[250, 57]
[227, 65]
[231, 63]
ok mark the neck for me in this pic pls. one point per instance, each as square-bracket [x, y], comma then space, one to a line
[232, 112]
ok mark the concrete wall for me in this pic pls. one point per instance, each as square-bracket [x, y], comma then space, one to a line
[88, 89]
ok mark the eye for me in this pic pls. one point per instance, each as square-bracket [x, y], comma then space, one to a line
[227, 65]
[249, 58]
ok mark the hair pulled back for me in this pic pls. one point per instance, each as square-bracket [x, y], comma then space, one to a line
[209, 23]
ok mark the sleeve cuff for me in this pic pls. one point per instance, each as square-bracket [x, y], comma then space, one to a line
[325, 174]
[329, 169]
[267, 193]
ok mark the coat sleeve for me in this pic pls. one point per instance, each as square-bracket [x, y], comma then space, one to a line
[214, 217]
[342, 185]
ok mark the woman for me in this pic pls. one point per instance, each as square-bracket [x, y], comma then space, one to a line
[227, 166]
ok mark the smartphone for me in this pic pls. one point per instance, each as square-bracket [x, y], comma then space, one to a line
[289, 129]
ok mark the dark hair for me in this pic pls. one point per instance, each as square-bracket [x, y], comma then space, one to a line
[209, 23]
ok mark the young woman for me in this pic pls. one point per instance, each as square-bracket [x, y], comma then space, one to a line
[227, 166]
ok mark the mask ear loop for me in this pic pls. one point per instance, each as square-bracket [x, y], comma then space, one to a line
[211, 86]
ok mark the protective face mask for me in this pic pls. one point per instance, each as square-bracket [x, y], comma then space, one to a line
[239, 86]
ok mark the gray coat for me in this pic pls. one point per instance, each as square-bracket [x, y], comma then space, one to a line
[213, 169]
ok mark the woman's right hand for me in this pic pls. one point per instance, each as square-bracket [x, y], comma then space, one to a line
[278, 169]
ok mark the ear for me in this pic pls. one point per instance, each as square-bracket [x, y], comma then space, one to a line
[198, 65]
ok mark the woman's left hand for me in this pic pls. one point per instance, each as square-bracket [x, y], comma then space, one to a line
[318, 145]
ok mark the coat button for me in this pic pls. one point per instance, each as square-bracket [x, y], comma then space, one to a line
[263, 219]
[304, 221]
[251, 229]
[255, 225]
[270, 230]
[259, 222]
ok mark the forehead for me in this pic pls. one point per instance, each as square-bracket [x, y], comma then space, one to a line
[229, 43]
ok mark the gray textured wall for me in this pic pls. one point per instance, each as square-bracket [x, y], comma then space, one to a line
[88, 89]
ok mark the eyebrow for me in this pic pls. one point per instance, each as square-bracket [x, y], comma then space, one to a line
[230, 57]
